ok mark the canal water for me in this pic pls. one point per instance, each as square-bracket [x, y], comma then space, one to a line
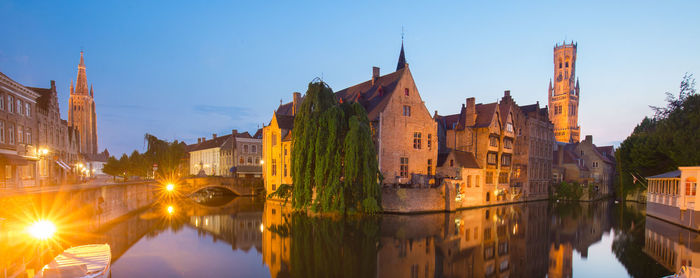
[224, 236]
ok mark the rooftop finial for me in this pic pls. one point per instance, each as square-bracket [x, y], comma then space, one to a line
[82, 61]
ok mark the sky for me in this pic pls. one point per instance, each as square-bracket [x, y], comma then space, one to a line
[183, 70]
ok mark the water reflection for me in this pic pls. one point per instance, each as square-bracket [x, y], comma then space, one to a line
[223, 236]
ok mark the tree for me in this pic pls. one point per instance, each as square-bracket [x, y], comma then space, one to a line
[333, 155]
[112, 167]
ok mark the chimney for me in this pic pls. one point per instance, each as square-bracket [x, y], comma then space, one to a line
[199, 140]
[506, 93]
[53, 85]
[589, 139]
[213, 136]
[296, 101]
[375, 74]
[234, 132]
[471, 111]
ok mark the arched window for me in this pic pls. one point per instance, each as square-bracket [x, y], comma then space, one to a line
[566, 64]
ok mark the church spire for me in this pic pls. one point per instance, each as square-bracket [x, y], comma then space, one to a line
[81, 86]
[402, 58]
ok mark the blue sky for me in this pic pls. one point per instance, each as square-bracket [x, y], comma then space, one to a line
[182, 70]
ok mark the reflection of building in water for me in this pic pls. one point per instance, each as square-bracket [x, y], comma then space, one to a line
[241, 230]
[560, 264]
[670, 245]
[407, 245]
[276, 247]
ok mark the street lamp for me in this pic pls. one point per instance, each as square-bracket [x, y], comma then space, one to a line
[262, 162]
[42, 229]
[170, 187]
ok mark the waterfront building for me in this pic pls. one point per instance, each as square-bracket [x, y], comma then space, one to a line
[277, 146]
[585, 163]
[403, 131]
[18, 150]
[236, 154]
[59, 141]
[563, 95]
[533, 152]
[81, 111]
[488, 132]
[672, 197]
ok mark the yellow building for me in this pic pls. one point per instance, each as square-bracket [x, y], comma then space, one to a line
[277, 149]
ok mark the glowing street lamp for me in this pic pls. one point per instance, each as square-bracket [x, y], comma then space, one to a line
[42, 229]
[170, 187]
[170, 210]
[262, 162]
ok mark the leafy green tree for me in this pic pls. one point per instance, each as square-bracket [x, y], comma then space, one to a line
[334, 162]
[113, 168]
[664, 142]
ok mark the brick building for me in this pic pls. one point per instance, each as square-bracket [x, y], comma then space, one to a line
[533, 152]
[404, 133]
[585, 163]
[563, 96]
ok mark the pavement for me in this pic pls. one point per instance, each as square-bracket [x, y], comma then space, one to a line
[9, 192]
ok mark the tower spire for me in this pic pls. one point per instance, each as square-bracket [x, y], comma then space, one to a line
[402, 58]
[81, 85]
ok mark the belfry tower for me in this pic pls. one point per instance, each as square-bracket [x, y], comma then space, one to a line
[564, 94]
[81, 113]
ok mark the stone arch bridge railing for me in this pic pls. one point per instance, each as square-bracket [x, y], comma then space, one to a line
[239, 186]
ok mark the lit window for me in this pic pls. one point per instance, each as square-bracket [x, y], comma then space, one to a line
[492, 158]
[274, 167]
[430, 166]
[489, 178]
[505, 160]
[493, 141]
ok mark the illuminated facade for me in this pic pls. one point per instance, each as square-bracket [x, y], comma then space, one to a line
[81, 111]
[563, 95]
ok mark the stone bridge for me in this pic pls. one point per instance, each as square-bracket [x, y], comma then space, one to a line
[239, 186]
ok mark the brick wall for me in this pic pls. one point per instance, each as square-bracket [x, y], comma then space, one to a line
[408, 200]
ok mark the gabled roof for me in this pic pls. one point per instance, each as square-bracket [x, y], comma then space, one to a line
[258, 134]
[485, 114]
[285, 121]
[373, 96]
[44, 98]
[208, 144]
[607, 151]
[529, 108]
[569, 156]
[462, 159]
[448, 122]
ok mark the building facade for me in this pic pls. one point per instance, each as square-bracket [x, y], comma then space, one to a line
[81, 111]
[563, 95]
[585, 163]
[232, 155]
[533, 152]
[18, 150]
[403, 131]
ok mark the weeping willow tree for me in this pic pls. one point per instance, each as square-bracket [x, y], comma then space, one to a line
[333, 155]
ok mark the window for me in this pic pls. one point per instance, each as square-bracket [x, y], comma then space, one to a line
[20, 134]
[509, 127]
[274, 187]
[405, 91]
[452, 163]
[430, 166]
[19, 106]
[503, 177]
[2, 102]
[476, 181]
[691, 186]
[10, 100]
[566, 64]
[245, 148]
[27, 110]
[493, 141]
[430, 139]
[2, 132]
[489, 178]
[11, 133]
[492, 158]
[508, 143]
[407, 110]
[28, 135]
[250, 160]
[505, 160]
[241, 161]
[274, 167]
[257, 160]
[253, 149]
[469, 181]
[595, 164]
[285, 169]
[404, 167]
[416, 140]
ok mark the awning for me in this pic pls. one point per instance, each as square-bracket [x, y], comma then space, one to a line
[12, 159]
[63, 165]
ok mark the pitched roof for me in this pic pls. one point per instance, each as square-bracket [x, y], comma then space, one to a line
[529, 108]
[462, 159]
[44, 98]
[448, 122]
[484, 114]
[373, 96]
[672, 174]
[607, 151]
[258, 134]
[208, 144]
[285, 121]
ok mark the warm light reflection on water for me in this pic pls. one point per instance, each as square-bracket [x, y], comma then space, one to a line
[244, 237]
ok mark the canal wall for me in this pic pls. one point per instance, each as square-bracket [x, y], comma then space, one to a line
[686, 218]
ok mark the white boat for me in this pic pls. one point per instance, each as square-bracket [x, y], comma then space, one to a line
[85, 261]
